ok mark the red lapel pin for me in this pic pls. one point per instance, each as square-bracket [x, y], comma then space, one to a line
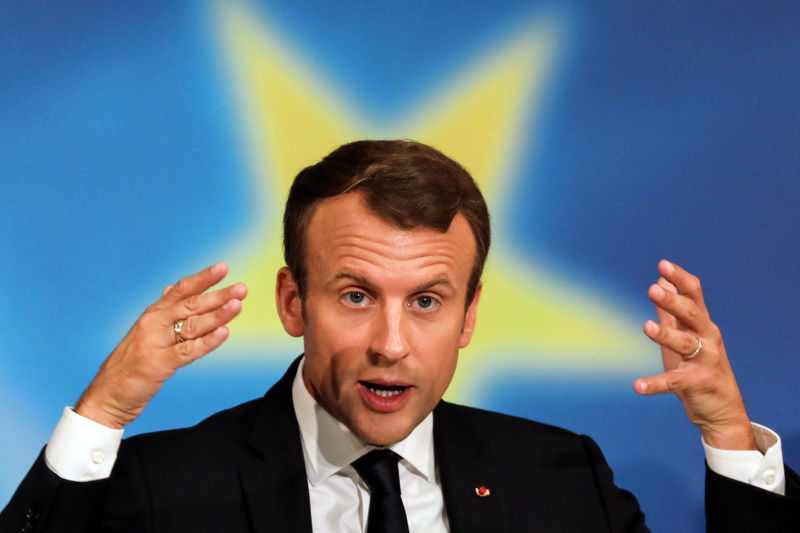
[482, 491]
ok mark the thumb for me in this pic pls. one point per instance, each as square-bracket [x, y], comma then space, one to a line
[666, 382]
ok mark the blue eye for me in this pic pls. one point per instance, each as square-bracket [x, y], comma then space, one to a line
[426, 303]
[355, 298]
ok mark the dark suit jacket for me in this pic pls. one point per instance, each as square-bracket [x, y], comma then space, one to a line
[242, 470]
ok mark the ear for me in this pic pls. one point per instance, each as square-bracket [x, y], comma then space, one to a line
[290, 306]
[470, 317]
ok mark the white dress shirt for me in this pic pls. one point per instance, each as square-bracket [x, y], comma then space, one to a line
[83, 450]
[762, 468]
[339, 498]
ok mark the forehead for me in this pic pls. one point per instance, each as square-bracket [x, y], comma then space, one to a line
[344, 234]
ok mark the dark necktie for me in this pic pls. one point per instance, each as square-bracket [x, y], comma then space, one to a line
[378, 469]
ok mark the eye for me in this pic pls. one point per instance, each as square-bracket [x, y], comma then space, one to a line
[426, 303]
[355, 298]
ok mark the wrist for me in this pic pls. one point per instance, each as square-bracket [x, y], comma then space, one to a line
[732, 437]
[87, 408]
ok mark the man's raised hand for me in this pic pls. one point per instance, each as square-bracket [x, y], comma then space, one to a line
[704, 381]
[150, 353]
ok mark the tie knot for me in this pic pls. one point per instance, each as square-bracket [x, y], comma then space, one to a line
[378, 469]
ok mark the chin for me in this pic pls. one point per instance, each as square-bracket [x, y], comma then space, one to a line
[383, 432]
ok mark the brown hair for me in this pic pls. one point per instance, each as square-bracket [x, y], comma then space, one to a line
[406, 183]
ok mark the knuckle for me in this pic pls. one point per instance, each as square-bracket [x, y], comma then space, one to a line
[674, 383]
[692, 311]
[207, 345]
[184, 349]
[192, 303]
[689, 345]
[189, 327]
[137, 332]
[146, 321]
[694, 283]
[222, 313]
[182, 285]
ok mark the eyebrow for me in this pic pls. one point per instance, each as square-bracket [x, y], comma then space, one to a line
[439, 280]
[349, 274]
[359, 278]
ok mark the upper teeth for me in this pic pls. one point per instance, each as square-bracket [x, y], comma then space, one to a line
[385, 393]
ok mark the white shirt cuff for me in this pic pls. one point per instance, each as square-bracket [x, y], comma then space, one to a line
[762, 468]
[81, 449]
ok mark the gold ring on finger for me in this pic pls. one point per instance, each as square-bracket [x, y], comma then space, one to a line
[697, 351]
[177, 327]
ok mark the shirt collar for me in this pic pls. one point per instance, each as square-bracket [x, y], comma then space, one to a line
[329, 446]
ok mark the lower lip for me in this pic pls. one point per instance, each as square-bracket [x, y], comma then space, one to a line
[383, 404]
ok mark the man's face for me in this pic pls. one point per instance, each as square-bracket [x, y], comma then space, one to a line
[384, 316]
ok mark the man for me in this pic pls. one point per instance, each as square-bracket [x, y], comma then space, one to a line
[385, 243]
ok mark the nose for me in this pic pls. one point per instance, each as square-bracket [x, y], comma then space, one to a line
[390, 342]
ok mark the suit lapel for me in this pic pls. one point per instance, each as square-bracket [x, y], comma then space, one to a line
[275, 486]
[465, 464]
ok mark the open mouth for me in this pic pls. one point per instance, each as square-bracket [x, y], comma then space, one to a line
[385, 391]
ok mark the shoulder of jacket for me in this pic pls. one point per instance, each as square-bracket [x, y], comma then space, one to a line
[486, 421]
[230, 424]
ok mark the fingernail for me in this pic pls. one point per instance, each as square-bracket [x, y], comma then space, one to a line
[658, 292]
[642, 386]
[669, 267]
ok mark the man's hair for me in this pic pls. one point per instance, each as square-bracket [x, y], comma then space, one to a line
[405, 183]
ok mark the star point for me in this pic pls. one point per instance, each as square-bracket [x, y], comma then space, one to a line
[529, 318]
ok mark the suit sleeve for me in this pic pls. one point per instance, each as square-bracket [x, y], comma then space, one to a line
[128, 505]
[623, 514]
[45, 503]
[735, 506]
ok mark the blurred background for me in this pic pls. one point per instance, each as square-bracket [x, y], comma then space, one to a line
[139, 143]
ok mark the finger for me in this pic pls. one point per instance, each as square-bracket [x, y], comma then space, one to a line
[197, 283]
[666, 319]
[666, 382]
[201, 325]
[683, 309]
[187, 351]
[166, 290]
[680, 342]
[198, 304]
[667, 286]
[687, 284]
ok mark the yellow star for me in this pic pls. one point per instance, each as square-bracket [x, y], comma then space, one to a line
[530, 319]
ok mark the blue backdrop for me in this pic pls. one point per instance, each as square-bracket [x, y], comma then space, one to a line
[140, 143]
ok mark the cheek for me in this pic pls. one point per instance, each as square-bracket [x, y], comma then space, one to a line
[437, 351]
[323, 332]
[447, 369]
[333, 351]
[442, 350]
